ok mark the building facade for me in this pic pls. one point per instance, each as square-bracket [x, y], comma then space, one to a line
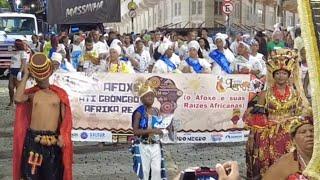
[246, 14]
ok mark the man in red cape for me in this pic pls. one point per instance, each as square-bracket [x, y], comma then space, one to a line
[24, 121]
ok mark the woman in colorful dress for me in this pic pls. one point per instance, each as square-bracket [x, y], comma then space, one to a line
[301, 131]
[269, 120]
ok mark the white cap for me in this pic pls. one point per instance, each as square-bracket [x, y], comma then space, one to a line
[56, 57]
[193, 44]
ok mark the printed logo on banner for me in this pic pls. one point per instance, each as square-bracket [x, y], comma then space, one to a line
[234, 136]
[216, 137]
[84, 135]
[232, 83]
[98, 136]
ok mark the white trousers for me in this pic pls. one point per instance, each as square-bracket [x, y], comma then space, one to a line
[151, 159]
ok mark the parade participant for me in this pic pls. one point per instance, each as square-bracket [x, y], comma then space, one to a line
[234, 45]
[141, 59]
[194, 64]
[36, 45]
[301, 131]
[298, 41]
[244, 63]
[76, 51]
[305, 74]
[18, 61]
[204, 34]
[114, 64]
[276, 42]
[42, 146]
[90, 61]
[256, 56]
[222, 57]
[270, 118]
[47, 44]
[184, 49]
[60, 64]
[204, 49]
[99, 46]
[168, 62]
[147, 149]
[128, 46]
[262, 43]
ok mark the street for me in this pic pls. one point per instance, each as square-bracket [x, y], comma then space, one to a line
[114, 161]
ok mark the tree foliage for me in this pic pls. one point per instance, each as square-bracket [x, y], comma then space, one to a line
[4, 4]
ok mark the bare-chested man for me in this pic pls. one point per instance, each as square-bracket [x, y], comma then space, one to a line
[42, 132]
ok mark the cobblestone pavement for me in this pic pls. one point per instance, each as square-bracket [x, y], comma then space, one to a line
[113, 161]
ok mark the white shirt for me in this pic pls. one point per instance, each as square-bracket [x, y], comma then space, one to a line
[204, 63]
[144, 61]
[233, 47]
[17, 58]
[210, 40]
[161, 67]
[129, 50]
[259, 57]
[100, 47]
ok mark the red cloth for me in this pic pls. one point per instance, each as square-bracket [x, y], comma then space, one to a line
[22, 122]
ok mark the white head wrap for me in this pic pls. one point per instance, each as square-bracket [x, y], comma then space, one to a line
[221, 36]
[193, 44]
[163, 47]
[56, 57]
[115, 47]
[116, 42]
[245, 45]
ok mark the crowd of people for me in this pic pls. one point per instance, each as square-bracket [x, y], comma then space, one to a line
[279, 117]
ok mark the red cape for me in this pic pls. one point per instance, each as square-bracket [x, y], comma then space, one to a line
[22, 122]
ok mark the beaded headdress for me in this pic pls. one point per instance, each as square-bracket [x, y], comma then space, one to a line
[40, 66]
[282, 59]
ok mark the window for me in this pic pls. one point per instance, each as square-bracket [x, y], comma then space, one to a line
[260, 15]
[160, 14]
[217, 7]
[175, 9]
[194, 8]
[200, 7]
[17, 25]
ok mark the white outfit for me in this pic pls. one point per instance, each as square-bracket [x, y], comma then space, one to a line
[233, 47]
[35, 47]
[304, 70]
[129, 50]
[298, 43]
[216, 68]
[259, 57]
[204, 63]
[144, 61]
[210, 40]
[100, 47]
[184, 51]
[151, 159]
[17, 57]
[161, 67]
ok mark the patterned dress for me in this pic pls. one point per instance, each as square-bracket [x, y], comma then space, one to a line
[269, 136]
